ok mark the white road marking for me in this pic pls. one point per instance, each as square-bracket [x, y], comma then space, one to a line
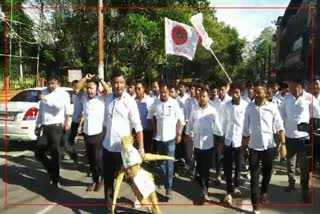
[46, 209]
[15, 154]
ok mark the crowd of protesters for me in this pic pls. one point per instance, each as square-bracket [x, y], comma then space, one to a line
[225, 127]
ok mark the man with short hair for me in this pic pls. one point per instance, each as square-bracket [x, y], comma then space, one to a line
[200, 128]
[233, 120]
[155, 89]
[167, 131]
[283, 91]
[316, 123]
[261, 117]
[131, 87]
[50, 121]
[248, 94]
[76, 119]
[144, 103]
[297, 108]
[93, 110]
[218, 104]
[121, 117]
[183, 96]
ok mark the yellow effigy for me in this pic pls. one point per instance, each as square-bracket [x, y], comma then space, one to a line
[142, 181]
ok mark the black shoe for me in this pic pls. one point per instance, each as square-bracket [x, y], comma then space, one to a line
[290, 188]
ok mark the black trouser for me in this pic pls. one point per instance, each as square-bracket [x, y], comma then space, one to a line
[147, 139]
[188, 151]
[52, 135]
[73, 133]
[112, 163]
[94, 155]
[71, 140]
[203, 159]
[266, 158]
[218, 156]
[316, 152]
[230, 156]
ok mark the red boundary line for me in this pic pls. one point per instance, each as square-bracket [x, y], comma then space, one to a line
[153, 8]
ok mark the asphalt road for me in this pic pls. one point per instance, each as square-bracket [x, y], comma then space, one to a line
[27, 190]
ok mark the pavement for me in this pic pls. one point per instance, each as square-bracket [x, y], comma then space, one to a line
[26, 189]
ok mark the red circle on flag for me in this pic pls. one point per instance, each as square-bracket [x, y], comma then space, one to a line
[179, 35]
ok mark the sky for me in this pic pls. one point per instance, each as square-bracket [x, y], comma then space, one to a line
[249, 22]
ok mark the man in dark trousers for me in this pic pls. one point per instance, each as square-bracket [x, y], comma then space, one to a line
[261, 118]
[121, 116]
[49, 126]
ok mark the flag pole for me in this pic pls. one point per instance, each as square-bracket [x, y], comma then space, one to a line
[211, 51]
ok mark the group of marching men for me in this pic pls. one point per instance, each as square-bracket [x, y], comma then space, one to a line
[196, 123]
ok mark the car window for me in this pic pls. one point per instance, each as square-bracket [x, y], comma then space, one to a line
[26, 96]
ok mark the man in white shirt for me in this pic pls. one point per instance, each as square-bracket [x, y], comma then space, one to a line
[233, 119]
[213, 93]
[316, 138]
[183, 96]
[76, 120]
[248, 94]
[179, 155]
[219, 103]
[167, 131]
[144, 103]
[200, 128]
[261, 117]
[131, 84]
[155, 89]
[283, 91]
[50, 122]
[297, 108]
[187, 146]
[121, 117]
[93, 109]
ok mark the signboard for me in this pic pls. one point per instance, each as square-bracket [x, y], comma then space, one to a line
[74, 74]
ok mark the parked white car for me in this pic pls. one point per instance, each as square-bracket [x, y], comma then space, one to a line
[19, 121]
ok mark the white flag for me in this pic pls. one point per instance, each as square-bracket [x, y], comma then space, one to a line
[197, 21]
[181, 39]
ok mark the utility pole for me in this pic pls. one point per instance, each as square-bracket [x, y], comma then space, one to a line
[10, 41]
[100, 40]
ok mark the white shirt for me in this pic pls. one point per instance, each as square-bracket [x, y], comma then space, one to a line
[93, 110]
[317, 110]
[259, 123]
[167, 115]
[121, 116]
[233, 120]
[77, 108]
[247, 99]
[183, 98]
[54, 107]
[218, 105]
[276, 101]
[298, 110]
[144, 106]
[190, 101]
[279, 96]
[201, 125]
[225, 99]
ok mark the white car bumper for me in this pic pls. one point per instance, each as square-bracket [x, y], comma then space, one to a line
[18, 130]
